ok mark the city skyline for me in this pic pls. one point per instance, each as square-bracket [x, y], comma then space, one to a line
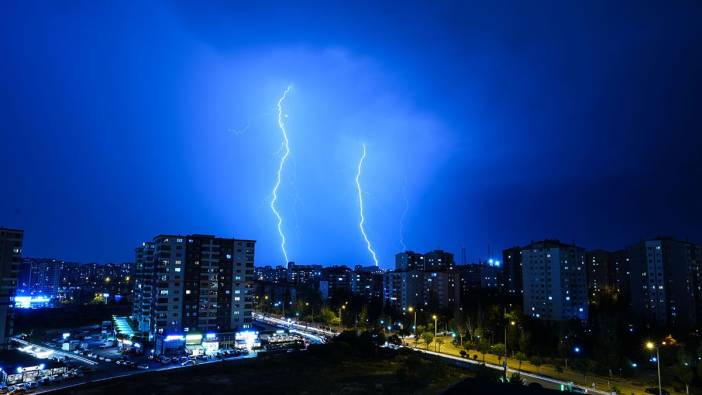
[163, 118]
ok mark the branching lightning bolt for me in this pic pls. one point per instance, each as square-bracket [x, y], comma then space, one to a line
[286, 152]
[360, 206]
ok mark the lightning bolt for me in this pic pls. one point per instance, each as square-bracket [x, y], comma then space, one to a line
[360, 206]
[286, 152]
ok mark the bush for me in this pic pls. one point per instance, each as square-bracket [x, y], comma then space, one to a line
[516, 378]
[394, 339]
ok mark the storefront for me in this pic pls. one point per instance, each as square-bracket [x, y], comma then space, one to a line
[169, 345]
[19, 367]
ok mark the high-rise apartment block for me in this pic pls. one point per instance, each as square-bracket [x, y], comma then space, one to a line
[193, 283]
[665, 281]
[554, 281]
[10, 258]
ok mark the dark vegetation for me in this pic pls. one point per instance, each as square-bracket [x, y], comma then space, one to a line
[351, 364]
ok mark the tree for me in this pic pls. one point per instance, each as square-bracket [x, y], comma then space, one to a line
[520, 356]
[525, 342]
[458, 326]
[428, 337]
[682, 371]
[484, 348]
[499, 350]
[439, 343]
[537, 361]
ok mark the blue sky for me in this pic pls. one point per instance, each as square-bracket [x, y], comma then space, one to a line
[500, 123]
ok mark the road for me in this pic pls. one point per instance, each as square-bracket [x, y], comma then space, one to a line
[56, 351]
[109, 370]
[303, 328]
[120, 372]
[546, 382]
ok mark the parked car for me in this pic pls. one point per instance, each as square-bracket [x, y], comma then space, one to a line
[143, 366]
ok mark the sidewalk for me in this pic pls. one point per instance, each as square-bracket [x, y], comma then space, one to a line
[625, 386]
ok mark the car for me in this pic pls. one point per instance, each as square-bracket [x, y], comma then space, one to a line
[143, 366]
[108, 359]
[188, 362]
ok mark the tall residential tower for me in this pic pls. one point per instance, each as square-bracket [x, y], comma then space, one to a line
[10, 258]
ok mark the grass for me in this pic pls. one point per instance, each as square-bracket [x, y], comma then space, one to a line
[327, 370]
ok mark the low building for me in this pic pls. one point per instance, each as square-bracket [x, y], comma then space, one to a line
[17, 367]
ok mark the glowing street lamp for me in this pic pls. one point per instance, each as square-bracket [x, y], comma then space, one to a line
[651, 346]
[414, 328]
[435, 320]
[343, 306]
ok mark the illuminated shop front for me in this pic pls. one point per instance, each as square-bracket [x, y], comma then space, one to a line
[17, 367]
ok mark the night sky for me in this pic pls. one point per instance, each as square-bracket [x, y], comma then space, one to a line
[487, 124]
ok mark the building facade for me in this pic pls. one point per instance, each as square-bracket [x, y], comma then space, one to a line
[554, 281]
[409, 260]
[422, 281]
[40, 277]
[512, 270]
[193, 283]
[665, 287]
[10, 258]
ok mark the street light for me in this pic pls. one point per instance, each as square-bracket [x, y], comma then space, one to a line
[651, 345]
[342, 307]
[414, 328]
[513, 323]
[435, 318]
